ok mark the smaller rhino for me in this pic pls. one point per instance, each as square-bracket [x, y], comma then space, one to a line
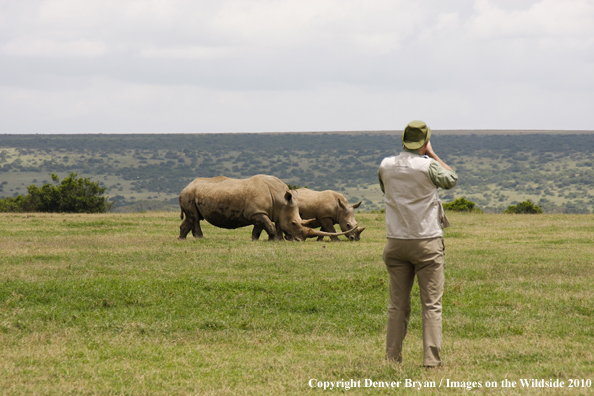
[328, 208]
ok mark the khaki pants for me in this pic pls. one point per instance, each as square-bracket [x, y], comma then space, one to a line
[404, 259]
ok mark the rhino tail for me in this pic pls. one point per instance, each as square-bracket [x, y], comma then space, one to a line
[181, 208]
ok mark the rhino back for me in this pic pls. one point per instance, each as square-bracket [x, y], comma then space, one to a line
[316, 204]
[231, 203]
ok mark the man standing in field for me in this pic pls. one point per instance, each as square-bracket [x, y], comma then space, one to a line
[414, 226]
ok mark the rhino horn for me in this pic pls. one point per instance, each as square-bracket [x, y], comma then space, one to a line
[308, 222]
[360, 229]
[311, 233]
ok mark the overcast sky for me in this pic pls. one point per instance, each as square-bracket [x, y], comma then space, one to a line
[127, 66]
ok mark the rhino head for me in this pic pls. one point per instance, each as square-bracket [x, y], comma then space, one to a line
[347, 222]
[295, 228]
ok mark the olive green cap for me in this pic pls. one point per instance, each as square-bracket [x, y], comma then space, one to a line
[415, 135]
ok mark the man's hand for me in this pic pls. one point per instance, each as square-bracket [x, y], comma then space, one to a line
[429, 150]
[430, 153]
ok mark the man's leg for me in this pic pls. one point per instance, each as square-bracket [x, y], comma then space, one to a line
[402, 276]
[430, 273]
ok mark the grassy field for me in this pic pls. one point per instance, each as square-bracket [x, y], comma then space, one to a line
[115, 304]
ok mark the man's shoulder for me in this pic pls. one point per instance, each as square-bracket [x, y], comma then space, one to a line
[406, 157]
[389, 159]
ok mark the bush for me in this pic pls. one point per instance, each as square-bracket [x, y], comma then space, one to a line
[461, 205]
[526, 207]
[294, 187]
[72, 195]
[19, 203]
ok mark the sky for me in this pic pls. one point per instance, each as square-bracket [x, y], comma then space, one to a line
[168, 66]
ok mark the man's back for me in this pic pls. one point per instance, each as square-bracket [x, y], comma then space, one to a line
[413, 209]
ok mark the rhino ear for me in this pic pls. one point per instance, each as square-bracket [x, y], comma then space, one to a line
[355, 206]
[341, 204]
[289, 198]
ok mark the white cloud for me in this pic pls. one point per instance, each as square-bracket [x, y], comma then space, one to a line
[265, 65]
[186, 52]
[568, 18]
[51, 48]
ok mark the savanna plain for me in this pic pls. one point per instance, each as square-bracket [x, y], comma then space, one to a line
[115, 304]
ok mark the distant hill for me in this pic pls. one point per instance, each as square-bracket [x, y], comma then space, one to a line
[496, 168]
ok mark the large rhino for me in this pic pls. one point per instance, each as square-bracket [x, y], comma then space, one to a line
[264, 201]
[329, 208]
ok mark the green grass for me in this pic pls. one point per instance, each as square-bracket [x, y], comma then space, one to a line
[115, 304]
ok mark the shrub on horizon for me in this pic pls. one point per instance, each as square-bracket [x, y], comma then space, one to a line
[462, 205]
[526, 207]
[73, 195]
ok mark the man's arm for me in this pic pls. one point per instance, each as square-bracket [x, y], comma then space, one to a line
[440, 173]
[442, 177]
[381, 183]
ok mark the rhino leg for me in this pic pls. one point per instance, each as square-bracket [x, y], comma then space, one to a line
[186, 226]
[256, 232]
[280, 235]
[196, 230]
[262, 222]
[191, 222]
[328, 226]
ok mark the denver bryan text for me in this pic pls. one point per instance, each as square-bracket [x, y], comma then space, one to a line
[368, 383]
